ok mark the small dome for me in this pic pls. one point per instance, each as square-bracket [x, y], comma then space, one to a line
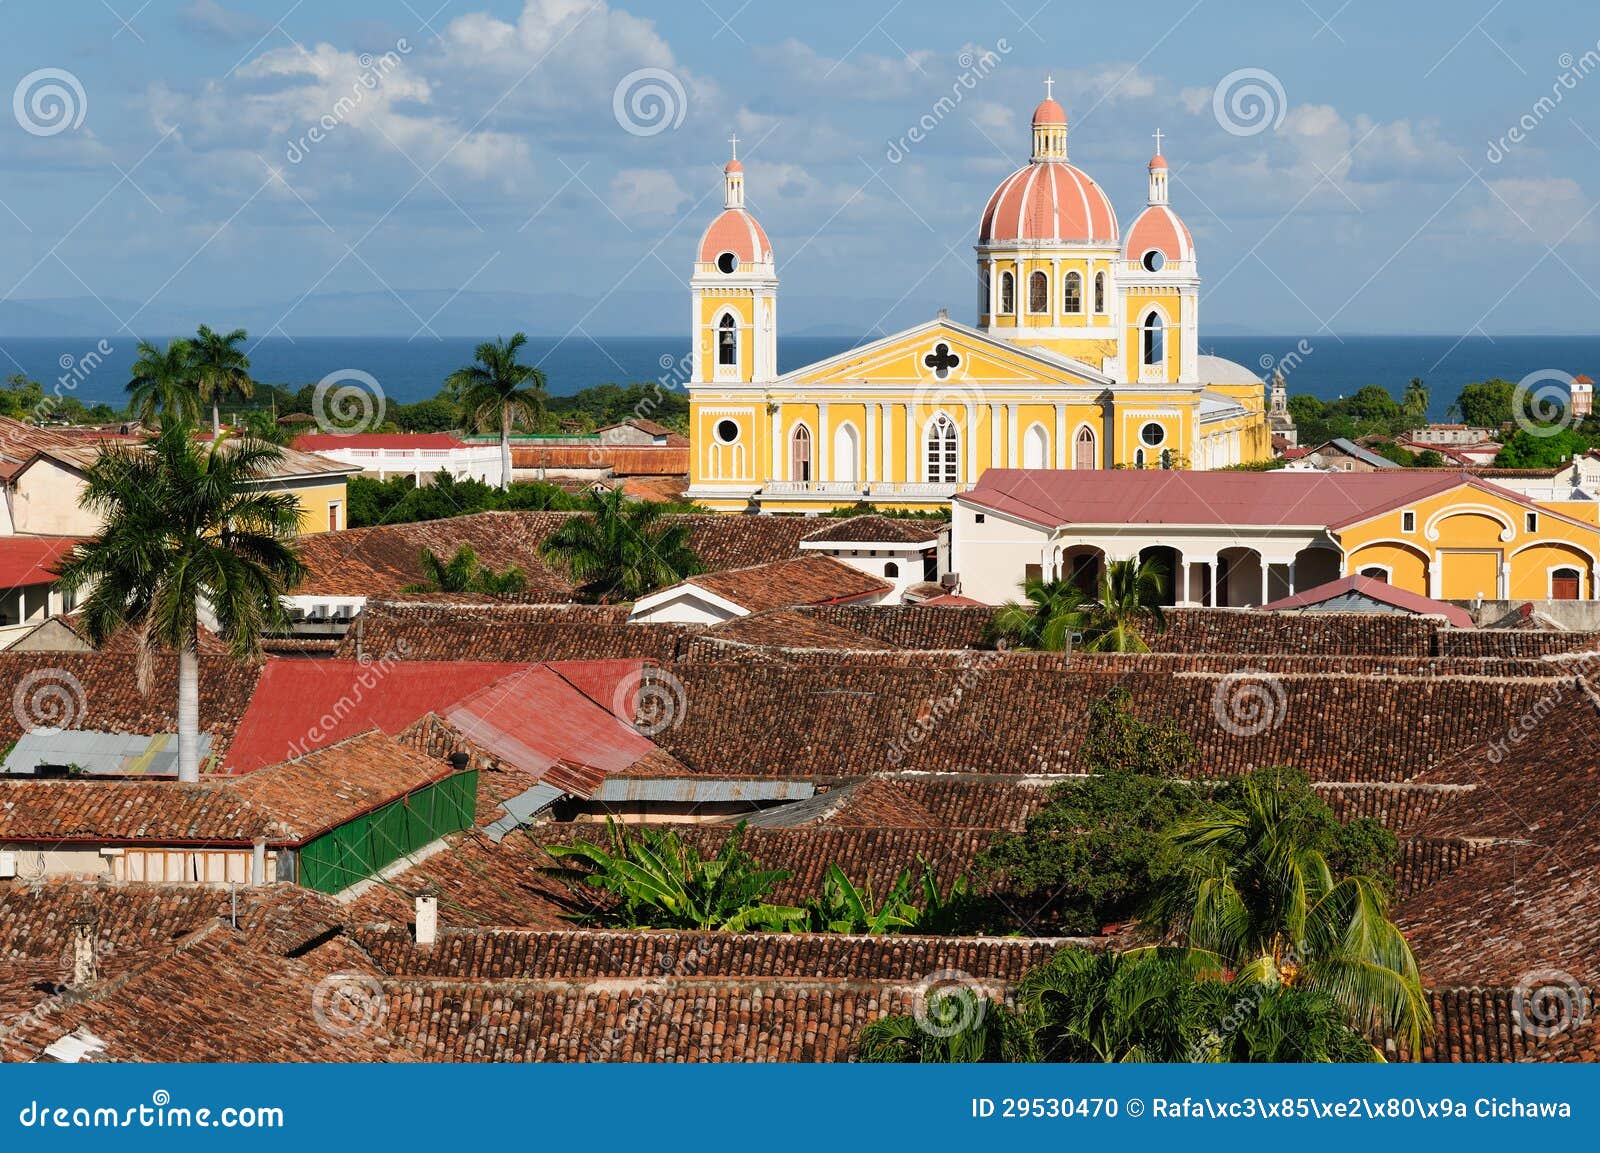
[736, 231]
[1158, 161]
[1049, 112]
[733, 166]
[1159, 228]
[1049, 201]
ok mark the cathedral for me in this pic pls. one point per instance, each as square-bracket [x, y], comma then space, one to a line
[1085, 355]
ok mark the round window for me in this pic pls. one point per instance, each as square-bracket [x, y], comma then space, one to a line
[727, 431]
[727, 262]
[1152, 434]
[1154, 261]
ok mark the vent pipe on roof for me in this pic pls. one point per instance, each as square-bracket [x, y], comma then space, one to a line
[459, 761]
[428, 916]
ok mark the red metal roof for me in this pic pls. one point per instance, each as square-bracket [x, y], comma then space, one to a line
[31, 560]
[1377, 590]
[300, 705]
[1054, 497]
[329, 441]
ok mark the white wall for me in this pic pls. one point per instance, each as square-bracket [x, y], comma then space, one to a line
[909, 560]
[992, 557]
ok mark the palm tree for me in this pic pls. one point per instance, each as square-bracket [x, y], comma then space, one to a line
[497, 392]
[1055, 612]
[221, 370]
[1254, 895]
[1128, 603]
[957, 1025]
[1127, 599]
[1109, 1006]
[185, 524]
[663, 883]
[163, 384]
[845, 907]
[464, 573]
[622, 551]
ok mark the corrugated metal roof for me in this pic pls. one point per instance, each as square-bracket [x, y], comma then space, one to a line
[521, 809]
[98, 753]
[699, 791]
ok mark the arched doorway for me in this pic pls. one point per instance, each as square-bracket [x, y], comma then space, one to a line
[800, 453]
[1167, 563]
[1080, 565]
[1083, 449]
[1313, 566]
[1240, 582]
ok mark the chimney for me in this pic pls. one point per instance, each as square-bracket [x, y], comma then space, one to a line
[84, 922]
[428, 915]
[459, 761]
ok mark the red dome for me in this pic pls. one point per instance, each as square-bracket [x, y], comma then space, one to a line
[733, 166]
[1158, 227]
[1049, 112]
[736, 231]
[1048, 201]
[1158, 161]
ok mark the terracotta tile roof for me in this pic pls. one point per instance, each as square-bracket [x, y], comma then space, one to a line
[334, 785]
[130, 812]
[871, 529]
[785, 629]
[620, 459]
[502, 632]
[31, 560]
[104, 689]
[250, 1006]
[806, 580]
[523, 955]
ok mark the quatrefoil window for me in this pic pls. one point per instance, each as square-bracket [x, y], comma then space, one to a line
[942, 360]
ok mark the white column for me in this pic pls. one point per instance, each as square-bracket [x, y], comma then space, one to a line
[913, 447]
[1186, 592]
[1266, 569]
[1055, 292]
[777, 442]
[969, 437]
[822, 441]
[1012, 433]
[993, 290]
[1061, 436]
[994, 436]
[872, 442]
[886, 424]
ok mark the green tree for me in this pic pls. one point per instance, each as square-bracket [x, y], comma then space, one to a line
[464, 573]
[1091, 855]
[1414, 404]
[622, 551]
[163, 387]
[185, 526]
[1087, 1006]
[435, 415]
[1487, 404]
[1126, 606]
[221, 370]
[1548, 448]
[659, 881]
[958, 1025]
[1255, 894]
[1055, 611]
[499, 393]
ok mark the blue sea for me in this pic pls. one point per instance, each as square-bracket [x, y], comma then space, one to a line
[413, 370]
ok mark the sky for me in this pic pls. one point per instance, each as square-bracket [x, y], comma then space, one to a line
[1345, 166]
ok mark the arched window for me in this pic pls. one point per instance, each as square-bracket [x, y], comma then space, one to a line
[800, 453]
[891, 569]
[1084, 450]
[1072, 293]
[728, 341]
[1099, 292]
[1036, 447]
[1138, 459]
[984, 301]
[846, 454]
[1166, 458]
[1008, 294]
[1155, 344]
[1038, 293]
[943, 451]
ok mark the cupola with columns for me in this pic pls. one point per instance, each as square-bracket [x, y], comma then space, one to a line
[1161, 283]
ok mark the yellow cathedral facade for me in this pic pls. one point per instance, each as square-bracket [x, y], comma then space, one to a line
[1085, 355]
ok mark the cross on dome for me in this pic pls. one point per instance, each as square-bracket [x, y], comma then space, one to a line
[734, 141]
[1049, 87]
[1158, 141]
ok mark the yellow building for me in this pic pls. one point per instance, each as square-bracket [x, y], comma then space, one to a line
[1085, 356]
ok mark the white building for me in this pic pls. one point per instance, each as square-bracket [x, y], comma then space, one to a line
[419, 455]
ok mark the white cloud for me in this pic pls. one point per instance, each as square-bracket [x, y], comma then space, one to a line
[1534, 212]
[211, 19]
[645, 192]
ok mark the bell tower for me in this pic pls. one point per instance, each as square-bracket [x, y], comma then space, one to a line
[735, 292]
